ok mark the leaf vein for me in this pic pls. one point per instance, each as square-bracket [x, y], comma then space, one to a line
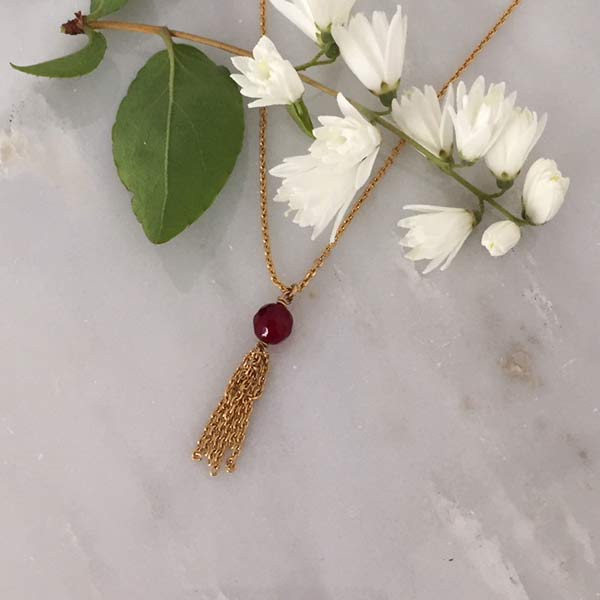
[194, 129]
[171, 88]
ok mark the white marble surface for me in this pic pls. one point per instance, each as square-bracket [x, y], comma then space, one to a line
[421, 438]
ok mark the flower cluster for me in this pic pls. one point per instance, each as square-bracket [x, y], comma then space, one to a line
[480, 123]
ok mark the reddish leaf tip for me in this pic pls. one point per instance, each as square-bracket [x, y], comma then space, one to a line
[75, 26]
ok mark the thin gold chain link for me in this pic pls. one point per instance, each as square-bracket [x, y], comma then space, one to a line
[289, 291]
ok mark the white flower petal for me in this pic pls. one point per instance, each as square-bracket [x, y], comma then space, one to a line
[313, 16]
[355, 57]
[432, 208]
[458, 245]
[374, 50]
[395, 46]
[349, 110]
[301, 17]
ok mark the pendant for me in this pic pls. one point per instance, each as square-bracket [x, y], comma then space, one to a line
[224, 435]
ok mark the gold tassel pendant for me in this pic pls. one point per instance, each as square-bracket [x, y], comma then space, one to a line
[227, 427]
[226, 430]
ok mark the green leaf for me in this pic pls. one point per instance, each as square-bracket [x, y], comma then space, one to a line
[176, 138]
[74, 65]
[101, 8]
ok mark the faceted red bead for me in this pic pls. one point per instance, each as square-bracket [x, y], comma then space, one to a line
[273, 323]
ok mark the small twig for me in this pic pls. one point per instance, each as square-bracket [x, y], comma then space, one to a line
[157, 30]
[199, 39]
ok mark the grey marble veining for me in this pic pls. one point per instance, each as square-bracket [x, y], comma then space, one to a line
[421, 438]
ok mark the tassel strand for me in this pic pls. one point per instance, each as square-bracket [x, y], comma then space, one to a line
[226, 429]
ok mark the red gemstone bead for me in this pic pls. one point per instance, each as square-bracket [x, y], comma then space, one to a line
[273, 323]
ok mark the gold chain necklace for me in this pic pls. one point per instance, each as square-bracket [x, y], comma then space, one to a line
[226, 429]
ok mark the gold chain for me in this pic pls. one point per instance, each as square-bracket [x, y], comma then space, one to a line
[289, 291]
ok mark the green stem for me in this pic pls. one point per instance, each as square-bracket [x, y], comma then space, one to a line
[449, 169]
[506, 213]
[165, 34]
[317, 63]
[484, 197]
[311, 63]
[382, 113]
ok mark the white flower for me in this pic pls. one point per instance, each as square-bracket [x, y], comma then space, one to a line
[420, 116]
[480, 117]
[436, 235]
[315, 16]
[374, 51]
[320, 186]
[544, 191]
[508, 155]
[267, 77]
[500, 237]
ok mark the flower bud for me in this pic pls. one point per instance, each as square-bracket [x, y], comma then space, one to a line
[500, 237]
[508, 155]
[544, 191]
